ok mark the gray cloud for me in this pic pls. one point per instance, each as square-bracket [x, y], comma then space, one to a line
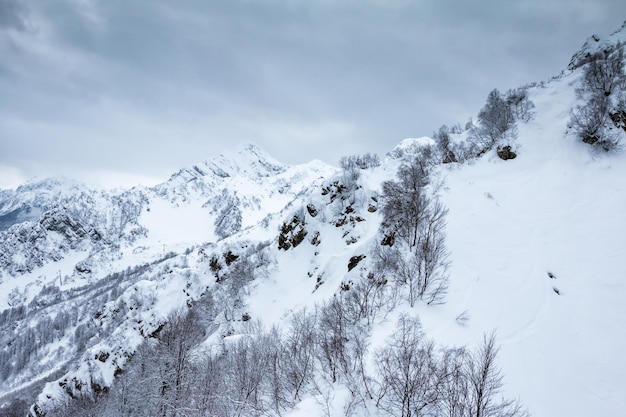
[150, 86]
[13, 14]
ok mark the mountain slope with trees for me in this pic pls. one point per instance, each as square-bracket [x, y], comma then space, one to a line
[477, 273]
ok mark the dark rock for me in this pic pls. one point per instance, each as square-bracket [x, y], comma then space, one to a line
[388, 240]
[354, 261]
[505, 152]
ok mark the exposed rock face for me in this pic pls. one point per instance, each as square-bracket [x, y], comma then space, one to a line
[62, 222]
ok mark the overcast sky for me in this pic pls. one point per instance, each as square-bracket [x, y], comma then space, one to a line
[126, 91]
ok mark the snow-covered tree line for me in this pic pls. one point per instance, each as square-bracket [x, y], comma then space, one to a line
[495, 128]
[599, 120]
[269, 371]
[413, 251]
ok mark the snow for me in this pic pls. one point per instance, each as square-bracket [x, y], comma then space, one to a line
[294, 283]
[247, 160]
[555, 209]
[536, 249]
[409, 145]
[174, 227]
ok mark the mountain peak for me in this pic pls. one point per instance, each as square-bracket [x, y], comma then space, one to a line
[248, 160]
[410, 146]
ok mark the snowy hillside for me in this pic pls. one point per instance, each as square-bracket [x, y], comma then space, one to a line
[243, 286]
[537, 244]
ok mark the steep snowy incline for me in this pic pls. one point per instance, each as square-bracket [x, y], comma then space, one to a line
[537, 256]
[339, 225]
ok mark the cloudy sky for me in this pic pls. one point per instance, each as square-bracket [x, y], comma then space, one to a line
[126, 91]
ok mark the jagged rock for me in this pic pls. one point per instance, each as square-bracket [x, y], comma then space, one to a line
[292, 233]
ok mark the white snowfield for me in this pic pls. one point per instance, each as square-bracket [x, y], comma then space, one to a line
[554, 210]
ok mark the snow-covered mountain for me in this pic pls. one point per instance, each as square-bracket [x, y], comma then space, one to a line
[93, 282]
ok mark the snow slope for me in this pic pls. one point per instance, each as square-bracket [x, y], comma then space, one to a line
[556, 209]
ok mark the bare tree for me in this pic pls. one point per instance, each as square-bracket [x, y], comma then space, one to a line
[245, 372]
[598, 120]
[368, 160]
[519, 103]
[299, 363]
[485, 383]
[172, 358]
[331, 338]
[367, 297]
[454, 389]
[424, 268]
[405, 202]
[432, 256]
[210, 389]
[360, 348]
[409, 378]
[274, 386]
[604, 74]
[496, 122]
[415, 223]
[444, 145]
[592, 124]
